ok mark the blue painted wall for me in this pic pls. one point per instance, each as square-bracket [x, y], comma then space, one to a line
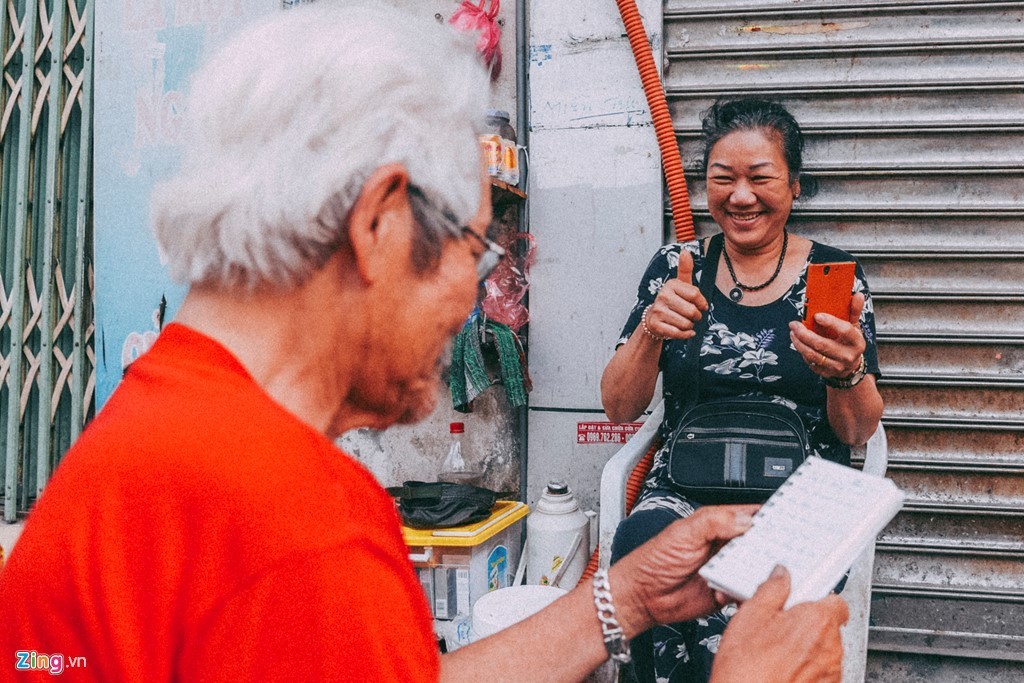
[146, 51]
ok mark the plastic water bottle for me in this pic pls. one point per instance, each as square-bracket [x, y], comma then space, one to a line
[557, 539]
[454, 467]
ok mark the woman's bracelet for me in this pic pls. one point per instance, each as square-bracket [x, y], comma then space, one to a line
[647, 330]
[614, 642]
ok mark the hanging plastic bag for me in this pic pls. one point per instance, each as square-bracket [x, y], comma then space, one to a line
[509, 283]
[471, 17]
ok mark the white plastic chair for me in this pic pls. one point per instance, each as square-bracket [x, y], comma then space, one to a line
[857, 591]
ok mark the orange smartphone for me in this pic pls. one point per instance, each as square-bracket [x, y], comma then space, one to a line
[829, 290]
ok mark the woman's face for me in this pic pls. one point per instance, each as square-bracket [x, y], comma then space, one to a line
[749, 192]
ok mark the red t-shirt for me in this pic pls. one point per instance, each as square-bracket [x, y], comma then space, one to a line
[198, 531]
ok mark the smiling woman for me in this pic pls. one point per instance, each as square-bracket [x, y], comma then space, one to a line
[754, 345]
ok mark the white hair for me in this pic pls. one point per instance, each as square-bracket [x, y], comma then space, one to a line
[287, 121]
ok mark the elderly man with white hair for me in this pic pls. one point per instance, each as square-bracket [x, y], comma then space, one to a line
[330, 221]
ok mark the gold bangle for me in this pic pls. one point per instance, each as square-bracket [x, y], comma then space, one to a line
[647, 330]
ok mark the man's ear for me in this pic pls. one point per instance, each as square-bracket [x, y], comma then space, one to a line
[377, 228]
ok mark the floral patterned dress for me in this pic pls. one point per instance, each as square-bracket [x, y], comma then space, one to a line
[745, 350]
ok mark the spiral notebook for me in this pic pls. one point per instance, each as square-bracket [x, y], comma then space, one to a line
[815, 525]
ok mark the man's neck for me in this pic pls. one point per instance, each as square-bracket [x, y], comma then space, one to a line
[269, 331]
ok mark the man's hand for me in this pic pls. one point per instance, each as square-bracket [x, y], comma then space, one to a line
[765, 643]
[658, 583]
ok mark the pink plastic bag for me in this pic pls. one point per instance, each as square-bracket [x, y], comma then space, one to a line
[470, 17]
[509, 283]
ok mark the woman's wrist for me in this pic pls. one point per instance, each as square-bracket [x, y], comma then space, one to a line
[646, 327]
[851, 380]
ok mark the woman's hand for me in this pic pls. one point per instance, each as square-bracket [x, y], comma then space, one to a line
[629, 379]
[853, 412]
[839, 353]
[679, 305]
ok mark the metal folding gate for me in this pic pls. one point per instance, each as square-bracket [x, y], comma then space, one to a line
[46, 331]
[912, 111]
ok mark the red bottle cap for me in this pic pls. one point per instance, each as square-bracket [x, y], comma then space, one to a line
[456, 427]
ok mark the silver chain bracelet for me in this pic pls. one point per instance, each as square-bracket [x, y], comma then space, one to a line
[614, 643]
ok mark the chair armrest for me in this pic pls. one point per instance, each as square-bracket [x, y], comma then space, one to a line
[876, 455]
[857, 592]
[615, 475]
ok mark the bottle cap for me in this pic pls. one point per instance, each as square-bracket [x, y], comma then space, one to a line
[558, 488]
[497, 114]
[456, 428]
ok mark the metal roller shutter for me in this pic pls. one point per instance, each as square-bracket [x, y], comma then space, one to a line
[913, 117]
[47, 356]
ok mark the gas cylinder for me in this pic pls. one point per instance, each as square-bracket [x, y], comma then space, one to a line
[557, 539]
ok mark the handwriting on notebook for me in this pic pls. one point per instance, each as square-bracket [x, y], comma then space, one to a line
[815, 525]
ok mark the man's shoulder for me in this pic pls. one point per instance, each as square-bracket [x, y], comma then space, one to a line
[222, 442]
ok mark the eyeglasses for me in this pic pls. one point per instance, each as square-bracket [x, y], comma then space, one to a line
[489, 258]
[429, 209]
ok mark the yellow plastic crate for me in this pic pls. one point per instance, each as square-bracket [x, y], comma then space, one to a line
[504, 514]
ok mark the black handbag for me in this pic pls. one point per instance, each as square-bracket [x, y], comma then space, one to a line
[441, 504]
[732, 450]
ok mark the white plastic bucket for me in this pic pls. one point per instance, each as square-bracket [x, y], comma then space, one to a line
[501, 608]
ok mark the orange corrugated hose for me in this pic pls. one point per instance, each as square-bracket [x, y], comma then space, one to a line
[633, 486]
[679, 197]
[671, 161]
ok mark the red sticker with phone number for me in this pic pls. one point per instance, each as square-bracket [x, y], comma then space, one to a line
[606, 432]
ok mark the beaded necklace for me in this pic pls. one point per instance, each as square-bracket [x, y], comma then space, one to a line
[736, 293]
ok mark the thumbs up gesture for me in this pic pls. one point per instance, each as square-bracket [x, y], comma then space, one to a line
[678, 306]
[685, 272]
